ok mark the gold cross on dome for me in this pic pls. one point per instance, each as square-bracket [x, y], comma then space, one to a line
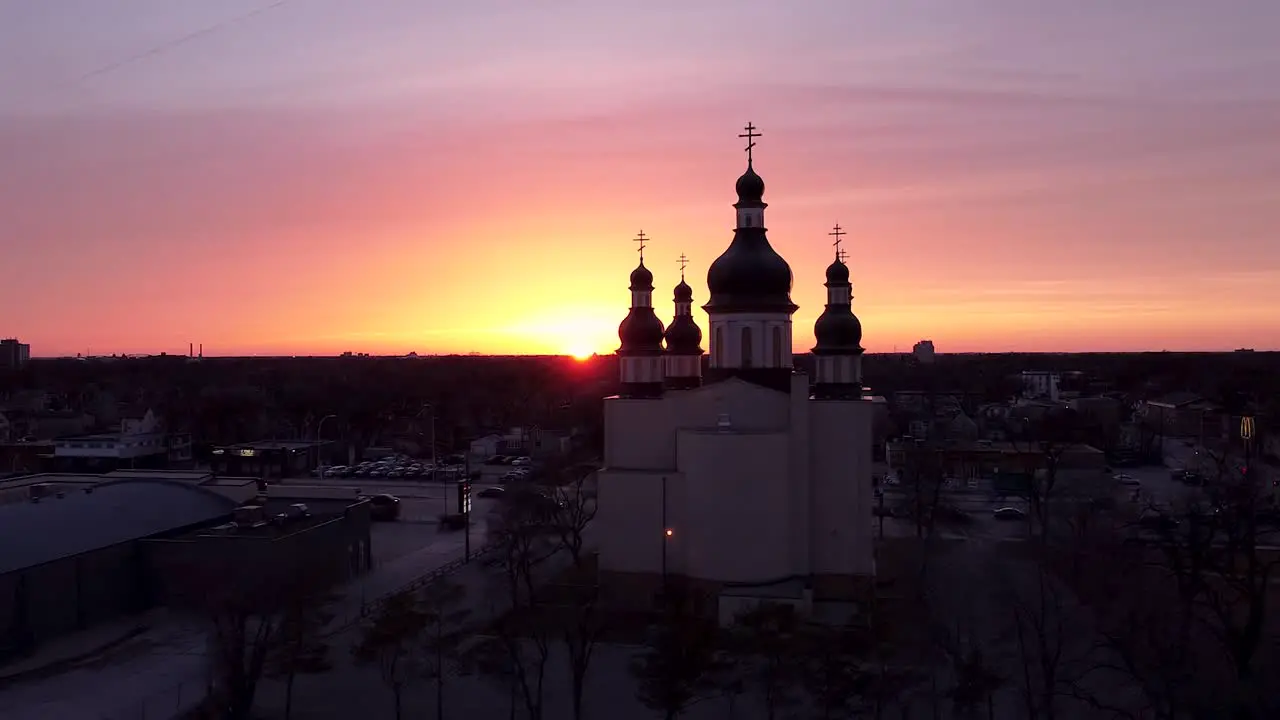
[640, 238]
[684, 262]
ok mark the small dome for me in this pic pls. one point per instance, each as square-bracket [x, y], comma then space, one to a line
[684, 337]
[641, 278]
[837, 332]
[684, 293]
[641, 333]
[750, 188]
[837, 273]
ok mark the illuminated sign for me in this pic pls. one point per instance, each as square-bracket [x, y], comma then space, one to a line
[1246, 428]
[464, 497]
[246, 452]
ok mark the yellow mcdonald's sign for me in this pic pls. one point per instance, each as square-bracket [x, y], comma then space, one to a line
[1246, 428]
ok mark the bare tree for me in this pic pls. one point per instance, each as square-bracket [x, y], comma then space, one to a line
[1217, 565]
[838, 668]
[390, 641]
[443, 635]
[765, 642]
[245, 606]
[680, 666]
[301, 646]
[520, 646]
[581, 622]
[974, 677]
[1046, 440]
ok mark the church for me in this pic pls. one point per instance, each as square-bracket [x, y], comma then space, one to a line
[751, 480]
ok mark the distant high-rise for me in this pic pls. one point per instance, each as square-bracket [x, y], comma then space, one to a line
[923, 351]
[13, 354]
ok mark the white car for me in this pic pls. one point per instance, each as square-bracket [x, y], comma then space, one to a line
[1127, 480]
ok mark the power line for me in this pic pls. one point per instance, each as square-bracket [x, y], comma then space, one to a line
[165, 47]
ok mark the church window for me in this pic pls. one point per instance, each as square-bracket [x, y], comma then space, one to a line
[717, 351]
[746, 347]
[777, 347]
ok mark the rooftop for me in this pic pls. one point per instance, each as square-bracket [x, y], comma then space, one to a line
[111, 513]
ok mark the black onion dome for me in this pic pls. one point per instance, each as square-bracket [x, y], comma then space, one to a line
[641, 333]
[684, 293]
[641, 278]
[837, 273]
[750, 189]
[684, 337]
[750, 276]
[838, 331]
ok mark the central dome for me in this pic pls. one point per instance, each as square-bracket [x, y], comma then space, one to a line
[750, 276]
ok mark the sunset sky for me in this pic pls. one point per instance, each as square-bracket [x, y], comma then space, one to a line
[314, 176]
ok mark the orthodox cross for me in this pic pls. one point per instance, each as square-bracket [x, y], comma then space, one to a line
[640, 238]
[837, 233]
[841, 255]
[751, 136]
[684, 262]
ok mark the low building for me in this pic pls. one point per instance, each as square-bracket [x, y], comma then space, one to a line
[1184, 415]
[24, 488]
[268, 544]
[72, 558]
[267, 459]
[141, 442]
[987, 459]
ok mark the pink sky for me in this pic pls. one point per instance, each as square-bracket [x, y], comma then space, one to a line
[388, 176]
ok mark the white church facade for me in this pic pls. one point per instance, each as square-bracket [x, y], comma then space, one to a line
[753, 481]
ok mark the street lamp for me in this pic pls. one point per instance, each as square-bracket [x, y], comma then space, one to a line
[666, 537]
[432, 408]
[320, 465]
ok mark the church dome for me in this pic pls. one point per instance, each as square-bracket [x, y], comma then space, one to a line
[684, 337]
[837, 332]
[750, 189]
[683, 293]
[641, 333]
[641, 278]
[750, 276]
[837, 273]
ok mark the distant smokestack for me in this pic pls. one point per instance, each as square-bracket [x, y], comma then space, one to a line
[201, 349]
[191, 350]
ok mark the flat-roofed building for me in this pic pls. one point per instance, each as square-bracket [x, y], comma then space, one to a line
[71, 558]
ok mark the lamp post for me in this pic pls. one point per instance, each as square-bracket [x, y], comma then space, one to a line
[320, 465]
[666, 538]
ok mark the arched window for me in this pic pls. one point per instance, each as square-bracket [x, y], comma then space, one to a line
[717, 350]
[746, 347]
[777, 346]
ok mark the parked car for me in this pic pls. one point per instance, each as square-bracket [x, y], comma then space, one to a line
[383, 507]
[493, 491]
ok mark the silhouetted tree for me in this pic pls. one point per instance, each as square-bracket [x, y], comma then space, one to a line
[444, 633]
[390, 641]
[301, 646]
[680, 666]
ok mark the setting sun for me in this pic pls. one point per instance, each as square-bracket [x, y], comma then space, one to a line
[581, 354]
